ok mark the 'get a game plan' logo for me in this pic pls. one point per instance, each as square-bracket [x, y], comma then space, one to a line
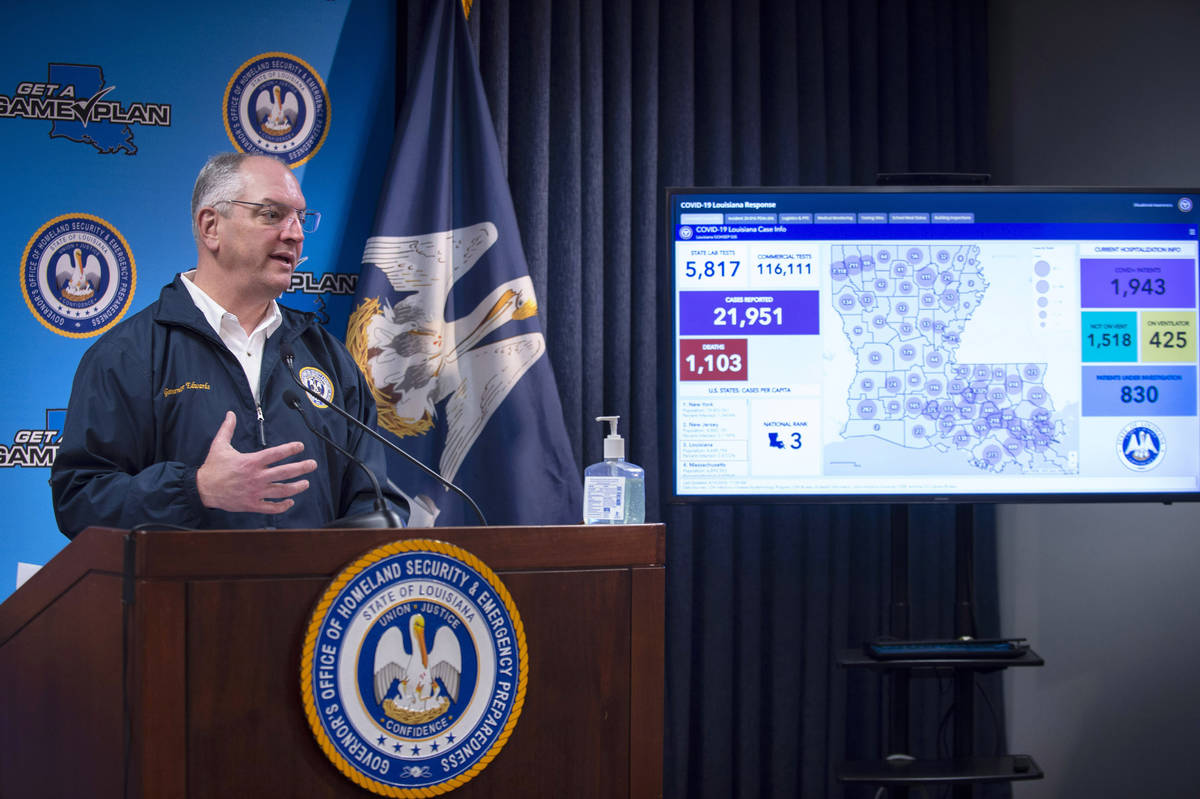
[34, 447]
[414, 668]
[82, 107]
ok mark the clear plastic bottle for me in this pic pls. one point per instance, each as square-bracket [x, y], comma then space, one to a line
[614, 490]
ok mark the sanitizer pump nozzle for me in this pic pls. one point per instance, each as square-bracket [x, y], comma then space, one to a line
[614, 445]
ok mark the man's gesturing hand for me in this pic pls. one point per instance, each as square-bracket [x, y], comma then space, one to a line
[248, 481]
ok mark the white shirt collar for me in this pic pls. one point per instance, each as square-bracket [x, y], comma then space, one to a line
[214, 313]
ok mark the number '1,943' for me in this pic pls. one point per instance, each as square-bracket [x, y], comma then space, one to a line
[1150, 285]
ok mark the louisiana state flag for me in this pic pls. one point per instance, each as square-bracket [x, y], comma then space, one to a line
[445, 322]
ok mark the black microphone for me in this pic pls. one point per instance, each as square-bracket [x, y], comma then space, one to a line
[288, 356]
[382, 516]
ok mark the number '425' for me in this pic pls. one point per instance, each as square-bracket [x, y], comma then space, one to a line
[1175, 339]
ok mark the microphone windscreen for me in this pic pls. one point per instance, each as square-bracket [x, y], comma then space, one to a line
[290, 399]
[286, 352]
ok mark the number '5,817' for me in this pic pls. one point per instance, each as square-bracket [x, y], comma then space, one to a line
[711, 268]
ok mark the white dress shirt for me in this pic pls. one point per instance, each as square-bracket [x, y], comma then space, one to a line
[247, 349]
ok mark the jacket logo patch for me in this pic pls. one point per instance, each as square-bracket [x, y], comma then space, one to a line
[188, 386]
[316, 380]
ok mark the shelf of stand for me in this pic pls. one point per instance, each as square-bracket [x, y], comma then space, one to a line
[859, 659]
[1004, 768]
[956, 771]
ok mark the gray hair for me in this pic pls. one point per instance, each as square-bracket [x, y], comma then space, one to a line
[220, 179]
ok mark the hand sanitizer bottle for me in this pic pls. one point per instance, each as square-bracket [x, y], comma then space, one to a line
[614, 490]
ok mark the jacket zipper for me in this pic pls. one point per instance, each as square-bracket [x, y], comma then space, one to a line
[262, 430]
[268, 521]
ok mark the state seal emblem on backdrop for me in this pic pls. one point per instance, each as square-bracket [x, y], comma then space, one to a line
[78, 275]
[414, 668]
[276, 104]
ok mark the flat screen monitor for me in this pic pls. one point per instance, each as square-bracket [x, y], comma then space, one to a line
[963, 344]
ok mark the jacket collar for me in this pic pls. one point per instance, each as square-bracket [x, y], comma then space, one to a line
[175, 307]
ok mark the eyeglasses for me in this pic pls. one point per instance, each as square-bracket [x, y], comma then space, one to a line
[278, 215]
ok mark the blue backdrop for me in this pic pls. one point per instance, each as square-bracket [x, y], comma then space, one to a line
[107, 111]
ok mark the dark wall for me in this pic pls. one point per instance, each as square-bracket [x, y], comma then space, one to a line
[1103, 92]
[1095, 92]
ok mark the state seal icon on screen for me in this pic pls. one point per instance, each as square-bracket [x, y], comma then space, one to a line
[78, 275]
[414, 668]
[1141, 446]
[276, 104]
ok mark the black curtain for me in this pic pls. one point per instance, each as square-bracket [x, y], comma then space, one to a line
[598, 107]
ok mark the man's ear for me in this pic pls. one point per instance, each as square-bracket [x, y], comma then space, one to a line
[208, 224]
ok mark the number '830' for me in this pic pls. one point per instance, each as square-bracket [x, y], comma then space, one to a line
[1139, 394]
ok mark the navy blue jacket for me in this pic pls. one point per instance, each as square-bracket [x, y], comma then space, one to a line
[149, 396]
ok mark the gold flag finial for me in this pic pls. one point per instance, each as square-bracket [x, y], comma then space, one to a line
[467, 8]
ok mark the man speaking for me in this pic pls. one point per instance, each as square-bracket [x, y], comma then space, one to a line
[177, 415]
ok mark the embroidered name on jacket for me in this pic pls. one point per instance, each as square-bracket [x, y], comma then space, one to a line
[188, 386]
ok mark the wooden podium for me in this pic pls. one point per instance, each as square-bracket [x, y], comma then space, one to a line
[167, 664]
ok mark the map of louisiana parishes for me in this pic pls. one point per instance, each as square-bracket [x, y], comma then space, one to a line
[905, 310]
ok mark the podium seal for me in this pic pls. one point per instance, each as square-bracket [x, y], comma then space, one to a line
[414, 668]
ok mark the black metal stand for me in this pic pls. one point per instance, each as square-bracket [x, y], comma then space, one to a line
[898, 723]
[964, 625]
[964, 770]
